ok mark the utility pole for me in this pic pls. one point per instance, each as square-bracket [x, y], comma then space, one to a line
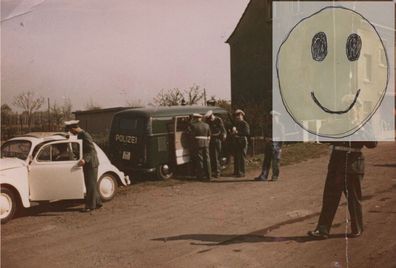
[49, 115]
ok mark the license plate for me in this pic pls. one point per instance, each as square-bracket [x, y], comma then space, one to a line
[126, 155]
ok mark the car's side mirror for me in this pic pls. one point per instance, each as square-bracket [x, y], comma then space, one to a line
[30, 159]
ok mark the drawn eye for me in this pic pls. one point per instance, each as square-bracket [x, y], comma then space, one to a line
[319, 46]
[353, 46]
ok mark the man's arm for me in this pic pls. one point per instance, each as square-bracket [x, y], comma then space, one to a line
[88, 147]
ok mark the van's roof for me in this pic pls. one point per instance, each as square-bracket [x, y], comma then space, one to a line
[170, 111]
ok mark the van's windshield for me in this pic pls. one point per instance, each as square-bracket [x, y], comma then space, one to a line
[130, 125]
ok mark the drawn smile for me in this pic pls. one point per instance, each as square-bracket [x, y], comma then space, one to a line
[331, 111]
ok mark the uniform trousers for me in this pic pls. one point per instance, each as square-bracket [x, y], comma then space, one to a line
[240, 151]
[92, 198]
[215, 153]
[272, 154]
[347, 179]
[202, 161]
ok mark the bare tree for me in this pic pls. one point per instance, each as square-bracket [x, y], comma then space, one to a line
[175, 96]
[91, 105]
[6, 112]
[169, 97]
[67, 109]
[29, 103]
[135, 103]
[7, 116]
[194, 94]
[57, 116]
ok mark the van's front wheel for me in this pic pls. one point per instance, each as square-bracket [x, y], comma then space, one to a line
[164, 172]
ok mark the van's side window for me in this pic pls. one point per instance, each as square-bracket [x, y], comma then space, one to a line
[159, 124]
[182, 123]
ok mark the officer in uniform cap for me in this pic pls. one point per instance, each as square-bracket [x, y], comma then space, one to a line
[200, 135]
[90, 164]
[218, 134]
[240, 133]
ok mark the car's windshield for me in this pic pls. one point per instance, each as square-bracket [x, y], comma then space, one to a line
[16, 148]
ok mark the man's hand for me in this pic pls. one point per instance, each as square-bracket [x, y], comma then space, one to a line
[81, 163]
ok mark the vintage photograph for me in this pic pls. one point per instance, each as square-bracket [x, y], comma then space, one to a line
[206, 133]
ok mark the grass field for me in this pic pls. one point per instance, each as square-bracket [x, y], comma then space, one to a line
[294, 153]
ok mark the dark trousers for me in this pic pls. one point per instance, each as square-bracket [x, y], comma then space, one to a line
[215, 153]
[202, 163]
[272, 154]
[92, 198]
[240, 151]
[335, 185]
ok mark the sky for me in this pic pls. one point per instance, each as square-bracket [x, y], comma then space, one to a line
[113, 52]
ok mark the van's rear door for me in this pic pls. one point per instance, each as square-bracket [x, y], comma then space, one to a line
[182, 141]
[127, 141]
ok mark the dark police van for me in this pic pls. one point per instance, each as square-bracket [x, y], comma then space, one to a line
[154, 139]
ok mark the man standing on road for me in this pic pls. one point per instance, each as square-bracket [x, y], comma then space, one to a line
[345, 172]
[240, 133]
[273, 147]
[200, 134]
[90, 164]
[218, 134]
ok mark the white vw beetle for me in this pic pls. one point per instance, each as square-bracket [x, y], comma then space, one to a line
[42, 166]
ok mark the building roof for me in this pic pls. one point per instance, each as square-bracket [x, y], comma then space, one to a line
[239, 23]
[254, 21]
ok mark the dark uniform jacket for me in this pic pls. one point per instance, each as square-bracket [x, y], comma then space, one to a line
[89, 153]
[351, 162]
[200, 134]
[216, 128]
[243, 130]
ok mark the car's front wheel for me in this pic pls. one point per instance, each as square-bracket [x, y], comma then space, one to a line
[8, 204]
[107, 186]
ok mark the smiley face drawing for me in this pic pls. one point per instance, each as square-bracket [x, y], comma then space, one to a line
[333, 69]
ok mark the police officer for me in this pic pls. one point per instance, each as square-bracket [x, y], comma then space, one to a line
[200, 134]
[90, 164]
[273, 147]
[345, 172]
[240, 133]
[218, 134]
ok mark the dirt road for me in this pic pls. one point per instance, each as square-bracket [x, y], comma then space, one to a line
[226, 223]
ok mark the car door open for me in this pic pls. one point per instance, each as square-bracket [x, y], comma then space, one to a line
[54, 172]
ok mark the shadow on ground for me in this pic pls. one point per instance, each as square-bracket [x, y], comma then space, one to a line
[229, 239]
[52, 209]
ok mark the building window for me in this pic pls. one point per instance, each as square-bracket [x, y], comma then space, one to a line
[382, 57]
[368, 67]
